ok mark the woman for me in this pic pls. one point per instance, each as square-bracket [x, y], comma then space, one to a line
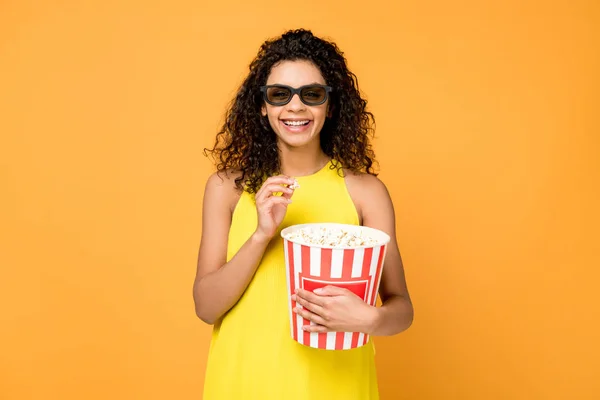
[297, 118]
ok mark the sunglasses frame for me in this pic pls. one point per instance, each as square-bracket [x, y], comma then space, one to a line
[298, 91]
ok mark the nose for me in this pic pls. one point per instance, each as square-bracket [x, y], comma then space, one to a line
[295, 103]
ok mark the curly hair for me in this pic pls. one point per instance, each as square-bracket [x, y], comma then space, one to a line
[246, 141]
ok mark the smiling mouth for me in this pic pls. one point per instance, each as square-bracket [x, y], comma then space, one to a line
[296, 123]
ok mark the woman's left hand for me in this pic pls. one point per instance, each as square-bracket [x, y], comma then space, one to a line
[335, 309]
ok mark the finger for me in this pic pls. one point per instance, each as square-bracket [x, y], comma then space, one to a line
[268, 190]
[316, 328]
[280, 179]
[317, 309]
[332, 291]
[271, 201]
[285, 180]
[304, 313]
[288, 193]
[310, 297]
[267, 205]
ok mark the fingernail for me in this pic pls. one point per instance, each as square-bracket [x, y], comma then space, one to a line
[318, 291]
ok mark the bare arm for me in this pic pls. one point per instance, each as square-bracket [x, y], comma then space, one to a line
[396, 313]
[220, 284]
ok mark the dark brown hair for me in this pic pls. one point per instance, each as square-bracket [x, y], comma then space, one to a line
[246, 141]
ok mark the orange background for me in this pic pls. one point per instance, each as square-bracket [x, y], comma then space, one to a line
[487, 137]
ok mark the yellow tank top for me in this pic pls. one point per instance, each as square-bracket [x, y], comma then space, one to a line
[252, 354]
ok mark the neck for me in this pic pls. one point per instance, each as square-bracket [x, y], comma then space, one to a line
[298, 162]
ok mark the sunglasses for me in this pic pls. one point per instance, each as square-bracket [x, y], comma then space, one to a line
[280, 95]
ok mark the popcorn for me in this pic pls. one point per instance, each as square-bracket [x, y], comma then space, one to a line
[330, 236]
[294, 185]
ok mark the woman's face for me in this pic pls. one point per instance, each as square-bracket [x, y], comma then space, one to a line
[295, 123]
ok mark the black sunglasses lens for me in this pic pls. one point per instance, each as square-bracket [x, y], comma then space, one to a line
[278, 95]
[311, 95]
[314, 95]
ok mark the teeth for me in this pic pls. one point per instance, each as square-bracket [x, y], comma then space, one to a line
[296, 123]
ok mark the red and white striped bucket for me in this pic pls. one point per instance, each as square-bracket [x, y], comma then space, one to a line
[312, 266]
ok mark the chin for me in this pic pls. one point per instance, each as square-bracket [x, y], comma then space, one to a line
[297, 141]
[295, 144]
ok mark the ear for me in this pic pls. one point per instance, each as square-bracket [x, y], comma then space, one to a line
[263, 111]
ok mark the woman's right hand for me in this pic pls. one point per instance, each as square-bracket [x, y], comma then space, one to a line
[271, 209]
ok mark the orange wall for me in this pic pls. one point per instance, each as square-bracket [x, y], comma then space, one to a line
[487, 140]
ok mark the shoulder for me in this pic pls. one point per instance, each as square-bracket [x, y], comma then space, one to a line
[223, 179]
[366, 185]
[369, 193]
[220, 187]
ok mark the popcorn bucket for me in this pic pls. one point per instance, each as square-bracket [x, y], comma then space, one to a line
[346, 256]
